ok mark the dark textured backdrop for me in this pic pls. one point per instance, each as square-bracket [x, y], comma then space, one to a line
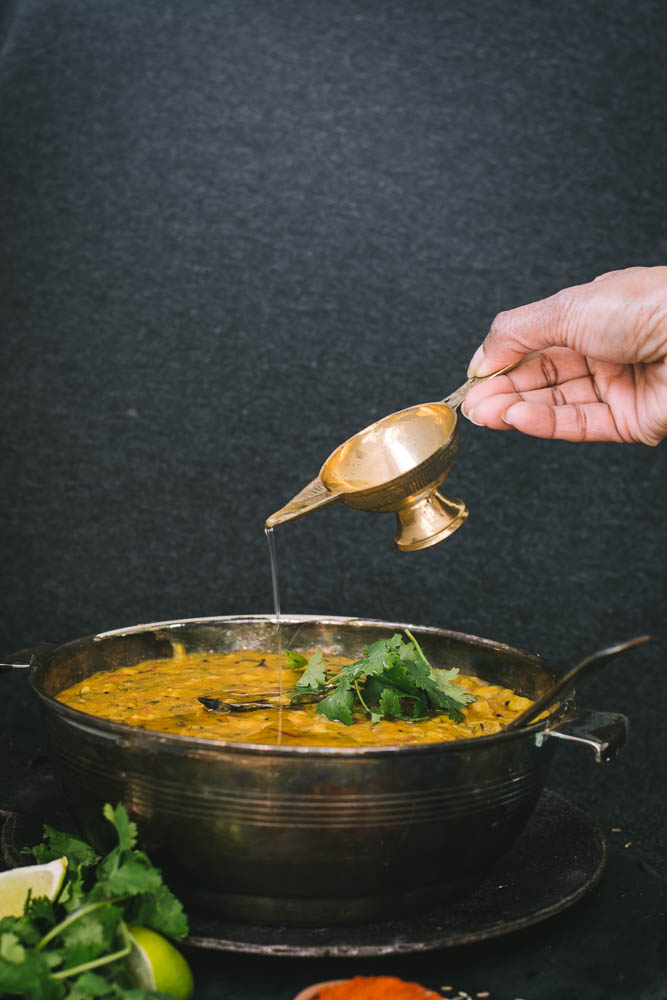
[234, 233]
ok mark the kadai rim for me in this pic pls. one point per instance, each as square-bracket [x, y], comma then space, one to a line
[168, 631]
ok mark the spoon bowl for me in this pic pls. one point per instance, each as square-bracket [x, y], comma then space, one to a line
[395, 465]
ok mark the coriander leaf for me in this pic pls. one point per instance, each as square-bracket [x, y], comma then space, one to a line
[447, 675]
[417, 648]
[339, 705]
[444, 678]
[163, 912]
[452, 706]
[24, 927]
[10, 948]
[59, 844]
[390, 704]
[437, 684]
[91, 986]
[73, 892]
[405, 676]
[314, 676]
[373, 689]
[40, 908]
[406, 702]
[125, 828]
[442, 701]
[415, 668]
[53, 958]
[377, 657]
[29, 978]
[444, 694]
[127, 838]
[409, 707]
[91, 935]
[129, 877]
[295, 661]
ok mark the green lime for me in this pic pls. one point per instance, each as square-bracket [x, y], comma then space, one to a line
[39, 880]
[155, 964]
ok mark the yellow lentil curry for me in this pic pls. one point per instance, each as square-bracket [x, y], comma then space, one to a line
[163, 695]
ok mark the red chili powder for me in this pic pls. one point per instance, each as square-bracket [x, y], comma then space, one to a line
[376, 988]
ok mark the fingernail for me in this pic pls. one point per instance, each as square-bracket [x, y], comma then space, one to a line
[507, 415]
[476, 361]
[470, 415]
[479, 366]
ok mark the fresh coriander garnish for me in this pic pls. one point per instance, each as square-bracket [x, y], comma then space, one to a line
[392, 680]
[76, 947]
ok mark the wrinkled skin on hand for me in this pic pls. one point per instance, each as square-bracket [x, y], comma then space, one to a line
[594, 368]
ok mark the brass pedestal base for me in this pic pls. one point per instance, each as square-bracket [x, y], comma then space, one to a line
[428, 521]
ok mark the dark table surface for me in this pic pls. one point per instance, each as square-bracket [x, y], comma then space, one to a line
[611, 944]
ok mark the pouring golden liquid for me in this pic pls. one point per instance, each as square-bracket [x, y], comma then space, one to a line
[395, 464]
[276, 610]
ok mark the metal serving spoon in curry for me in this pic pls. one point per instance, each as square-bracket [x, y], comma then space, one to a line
[396, 464]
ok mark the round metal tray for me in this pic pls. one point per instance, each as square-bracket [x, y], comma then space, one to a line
[558, 858]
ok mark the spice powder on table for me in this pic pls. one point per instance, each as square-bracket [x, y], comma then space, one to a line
[376, 988]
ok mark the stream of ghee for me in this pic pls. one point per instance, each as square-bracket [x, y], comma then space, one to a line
[276, 610]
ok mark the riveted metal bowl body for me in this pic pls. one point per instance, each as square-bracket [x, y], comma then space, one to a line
[300, 834]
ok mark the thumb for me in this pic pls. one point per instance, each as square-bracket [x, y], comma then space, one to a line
[620, 317]
[518, 332]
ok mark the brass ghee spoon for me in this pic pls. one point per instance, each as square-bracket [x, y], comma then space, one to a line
[396, 464]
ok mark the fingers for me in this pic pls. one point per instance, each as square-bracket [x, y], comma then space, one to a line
[494, 411]
[574, 422]
[555, 376]
[553, 394]
[621, 317]
[544, 368]
[491, 411]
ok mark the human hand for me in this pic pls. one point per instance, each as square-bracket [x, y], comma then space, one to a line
[595, 365]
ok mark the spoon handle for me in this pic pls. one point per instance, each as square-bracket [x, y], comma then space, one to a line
[454, 400]
[566, 684]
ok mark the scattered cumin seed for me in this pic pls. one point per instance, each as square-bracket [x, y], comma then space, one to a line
[628, 844]
[616, 829]
[484, 993]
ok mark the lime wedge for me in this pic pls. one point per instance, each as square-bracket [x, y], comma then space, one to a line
[155, 964]
[39, 880]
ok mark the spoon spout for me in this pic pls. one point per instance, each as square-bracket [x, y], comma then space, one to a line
[311, 497]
